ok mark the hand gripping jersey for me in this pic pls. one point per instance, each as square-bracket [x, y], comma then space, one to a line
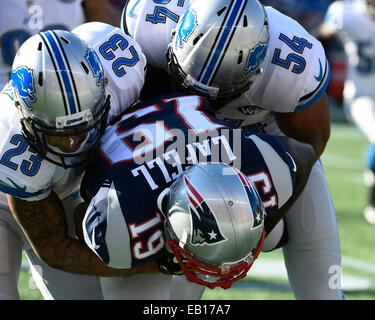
[23, 173]
[356, 29]
[20, 19]
[146, 150]
[295, 71]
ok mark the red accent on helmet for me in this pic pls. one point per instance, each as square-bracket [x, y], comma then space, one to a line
[192, 268]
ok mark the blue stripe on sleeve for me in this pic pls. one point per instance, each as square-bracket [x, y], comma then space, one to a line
[318, 94]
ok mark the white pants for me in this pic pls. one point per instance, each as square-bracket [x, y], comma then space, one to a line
[137, 287]
[150, 287]
[53, 283]
[312, 253]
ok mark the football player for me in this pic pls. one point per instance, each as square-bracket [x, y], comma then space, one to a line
[347, 20]
[20, 19]
[265, 71]
[56, 106]
[142, 154]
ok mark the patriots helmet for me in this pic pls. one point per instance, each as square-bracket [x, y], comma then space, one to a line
[218, 46]
[59, 85]
[214, 223]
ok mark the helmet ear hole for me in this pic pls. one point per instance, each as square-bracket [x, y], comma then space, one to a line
[197, 39]
[240, 57]
[219, 13]
[245, 23]
[85, 67]
[65, 40]
[40, 79]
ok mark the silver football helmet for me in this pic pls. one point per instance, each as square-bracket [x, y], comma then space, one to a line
[218, 46]
[214, 224]
[59, 87]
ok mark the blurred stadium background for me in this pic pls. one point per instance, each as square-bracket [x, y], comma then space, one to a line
[344, 165]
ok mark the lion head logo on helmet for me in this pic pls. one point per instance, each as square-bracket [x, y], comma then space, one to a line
[23, 82]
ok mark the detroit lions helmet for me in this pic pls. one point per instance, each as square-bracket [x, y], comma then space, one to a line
[214, 223]
[59, 87]
[218, 46]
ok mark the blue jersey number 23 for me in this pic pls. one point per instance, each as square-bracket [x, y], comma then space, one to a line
[108, 48]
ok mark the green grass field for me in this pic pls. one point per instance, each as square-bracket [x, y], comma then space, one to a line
[343, 161]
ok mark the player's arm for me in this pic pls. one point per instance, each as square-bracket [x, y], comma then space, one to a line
[102, 11]
[45, 226]
[310, 125]
[304, 158]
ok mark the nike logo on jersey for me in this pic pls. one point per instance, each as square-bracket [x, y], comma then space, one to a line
[294, 164]
[320, 76]
[131, 11]
[17, 186]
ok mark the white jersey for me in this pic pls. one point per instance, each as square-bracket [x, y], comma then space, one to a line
[122, 59]
[295, 70]
[295, 74]
[356, 28]
[22, 172]
[153, 22]
[20, 19]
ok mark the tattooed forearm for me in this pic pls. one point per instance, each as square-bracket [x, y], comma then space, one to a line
[45, 226]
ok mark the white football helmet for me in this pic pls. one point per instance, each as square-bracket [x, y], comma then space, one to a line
[218, 46]
[59, 87]
[214, 223]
